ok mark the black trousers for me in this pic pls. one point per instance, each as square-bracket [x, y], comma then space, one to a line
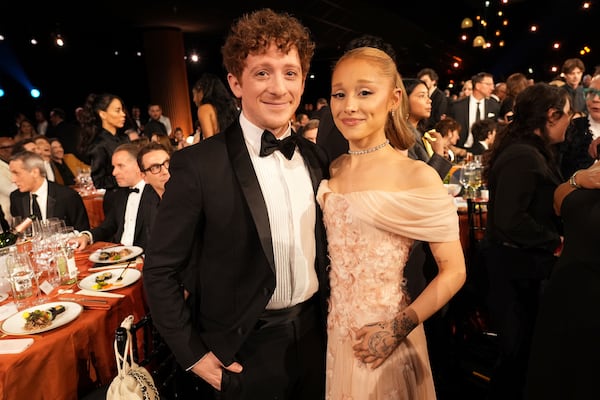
[282, 359]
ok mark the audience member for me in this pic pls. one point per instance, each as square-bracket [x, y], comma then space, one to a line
[572, 71]
[310, 130]
[67, 132]
[449, 129]
[162, 139]
[63, 173]
[515, 84]
[156, 123]
[523, 232]
[484, 133]
[42, 147]
[35, 195]
[126, 221]
[26, 130]
[217, 108]
[565, 351]
[475, 107]
[6, 184]
[41, 121]
[103, 117]
[439, 101]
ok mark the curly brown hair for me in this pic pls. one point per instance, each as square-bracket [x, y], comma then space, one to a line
[253, 33]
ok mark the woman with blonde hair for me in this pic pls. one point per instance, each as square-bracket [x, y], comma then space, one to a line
[376, 204]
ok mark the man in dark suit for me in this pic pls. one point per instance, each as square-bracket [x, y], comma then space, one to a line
[54, 200]
[240, 211]
[465, 111]
[131, 216]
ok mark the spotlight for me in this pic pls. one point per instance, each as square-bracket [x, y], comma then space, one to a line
[35, 93]
[33, 41]
[1, 92]
[59, 41]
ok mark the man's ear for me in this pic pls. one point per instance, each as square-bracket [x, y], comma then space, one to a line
[235, 85]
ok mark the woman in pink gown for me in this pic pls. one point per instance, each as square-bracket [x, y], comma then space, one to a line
[375, 204]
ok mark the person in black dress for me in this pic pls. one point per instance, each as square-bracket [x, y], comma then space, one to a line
[565, 347]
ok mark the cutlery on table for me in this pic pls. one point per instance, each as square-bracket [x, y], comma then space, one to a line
[123, 272]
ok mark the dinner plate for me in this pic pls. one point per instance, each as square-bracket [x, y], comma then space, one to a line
[3, 296]
[15, 324]
[135, 251]
[130, 276]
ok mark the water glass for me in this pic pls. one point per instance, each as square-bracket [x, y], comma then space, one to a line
[23, 279]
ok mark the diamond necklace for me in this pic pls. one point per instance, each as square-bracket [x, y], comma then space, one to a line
[369, 150]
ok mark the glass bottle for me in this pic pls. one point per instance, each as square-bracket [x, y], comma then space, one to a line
[65, 262]
[12, 236]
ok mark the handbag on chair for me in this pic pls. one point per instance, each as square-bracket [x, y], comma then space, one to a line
[133, 382]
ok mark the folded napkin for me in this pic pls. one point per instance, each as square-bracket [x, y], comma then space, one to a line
[14, 346]
[87, 292]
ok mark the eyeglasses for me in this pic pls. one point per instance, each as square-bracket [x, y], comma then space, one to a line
[156, 168]
[590, 93]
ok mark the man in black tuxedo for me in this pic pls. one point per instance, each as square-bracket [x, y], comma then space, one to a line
[240, 211]
[131, 215]
[54, 200]
[465, 111]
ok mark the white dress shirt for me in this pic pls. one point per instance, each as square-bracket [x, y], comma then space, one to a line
[6, 187]
[473, 116]
[288, 192]
[131, 212]
[49, 172]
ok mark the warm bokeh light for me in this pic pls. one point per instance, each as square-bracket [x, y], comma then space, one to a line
[33, 41]
[456, 64]
[533, 28]
[556, 45]
[194, 57]
[505, 22]
[501, 43]
[463, 37]
[586, 5]
[554, 68]
[498, 33]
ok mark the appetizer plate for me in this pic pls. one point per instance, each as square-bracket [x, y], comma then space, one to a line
[134, 252]
[15, 324]
[130, 276]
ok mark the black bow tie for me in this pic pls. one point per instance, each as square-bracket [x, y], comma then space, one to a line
[136, 190]
[269, 143]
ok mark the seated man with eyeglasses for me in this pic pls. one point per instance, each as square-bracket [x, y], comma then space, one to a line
[141, 174]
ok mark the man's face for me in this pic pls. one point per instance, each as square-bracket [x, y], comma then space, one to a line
[311, 134]
[485, 87]
[125, 169]
[42, 147]
[154, 159]
[57, 150]
[26, 181]
[270, 87]
[154, 112]
[574, 77]
[6, 145]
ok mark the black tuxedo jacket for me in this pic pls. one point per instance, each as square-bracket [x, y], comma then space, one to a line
[112, 227]
[213, 218]
[460, 112]
[63, 202]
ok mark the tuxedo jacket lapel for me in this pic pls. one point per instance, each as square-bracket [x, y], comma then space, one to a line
[244, 171]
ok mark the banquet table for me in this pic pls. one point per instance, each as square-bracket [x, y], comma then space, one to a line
[69, 361]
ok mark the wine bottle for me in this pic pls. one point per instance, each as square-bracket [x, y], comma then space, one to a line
[9, 238]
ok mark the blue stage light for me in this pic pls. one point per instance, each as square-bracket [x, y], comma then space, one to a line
[35, 93]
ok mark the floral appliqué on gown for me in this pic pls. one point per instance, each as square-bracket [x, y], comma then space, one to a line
[370, 234]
